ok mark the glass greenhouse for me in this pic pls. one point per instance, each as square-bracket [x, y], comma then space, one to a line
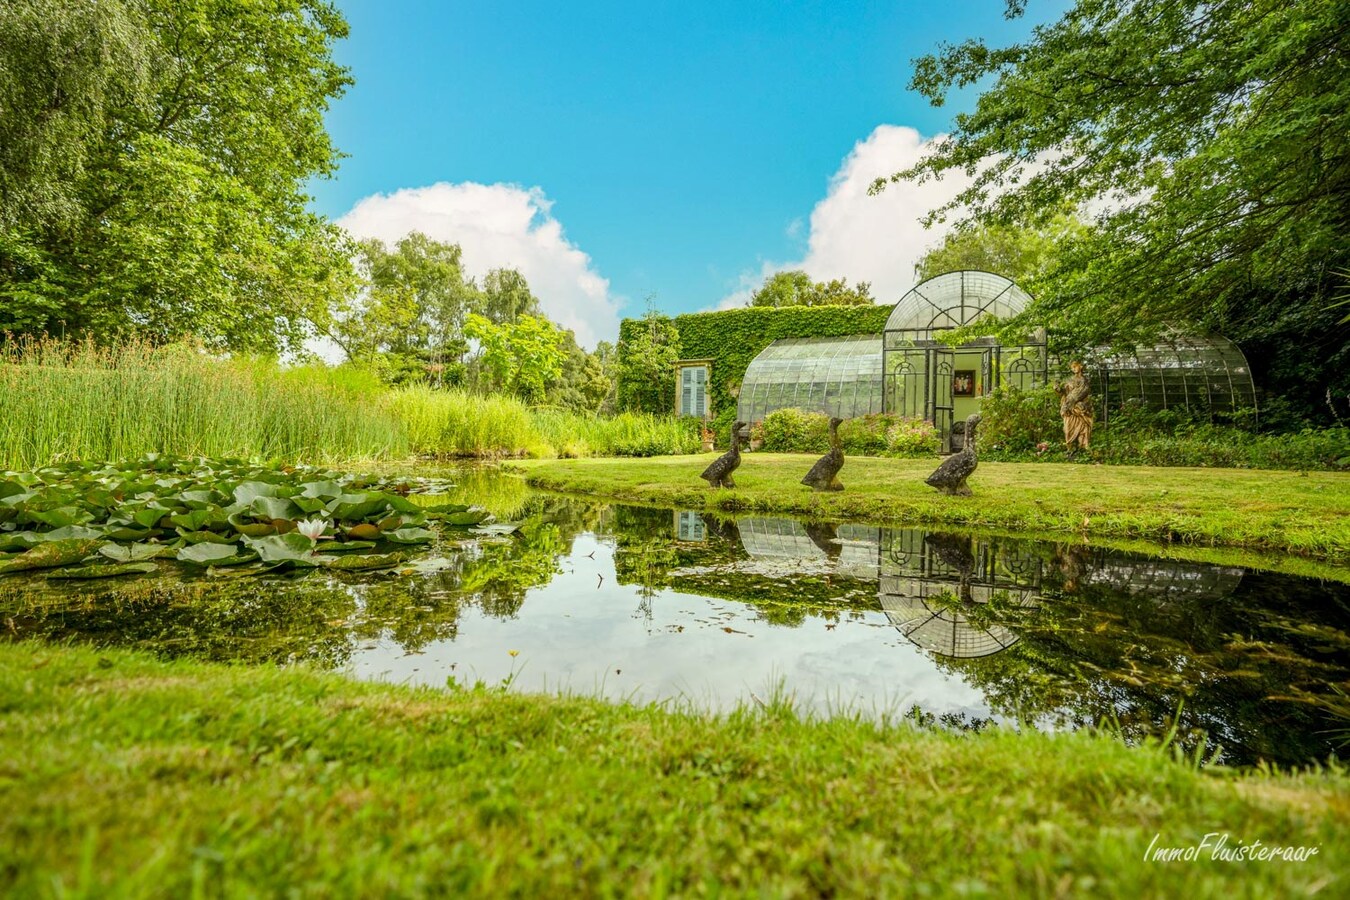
[908, 371]
[1203, 373]
[839, 376]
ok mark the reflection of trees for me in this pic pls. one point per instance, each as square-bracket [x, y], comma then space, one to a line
[1240, 669]
[231, 618]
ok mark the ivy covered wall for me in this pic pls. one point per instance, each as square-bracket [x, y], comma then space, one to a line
[732, 338]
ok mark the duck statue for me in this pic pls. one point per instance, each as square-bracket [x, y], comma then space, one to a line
[824, 475]
[718, 473]
[950, 477]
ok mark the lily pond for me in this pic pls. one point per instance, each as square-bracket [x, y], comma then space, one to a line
[470, 579]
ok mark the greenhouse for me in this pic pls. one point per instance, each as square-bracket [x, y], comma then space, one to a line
[908, 370]
[838, 375]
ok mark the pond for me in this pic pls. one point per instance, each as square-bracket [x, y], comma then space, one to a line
[667, 605]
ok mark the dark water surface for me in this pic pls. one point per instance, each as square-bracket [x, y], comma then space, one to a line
[653, 605]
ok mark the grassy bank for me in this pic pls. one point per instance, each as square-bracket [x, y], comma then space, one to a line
[1285, 511]
[126, 776]
[63, 401]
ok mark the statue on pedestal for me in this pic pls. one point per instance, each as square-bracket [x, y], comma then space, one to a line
[1075, 408]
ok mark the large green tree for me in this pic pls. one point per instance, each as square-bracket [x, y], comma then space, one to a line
[153, 157]
[1022, 254]
[1210, 137]
[795, 288]
[523, 358]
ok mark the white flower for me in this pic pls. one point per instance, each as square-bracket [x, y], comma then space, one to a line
[311, 528]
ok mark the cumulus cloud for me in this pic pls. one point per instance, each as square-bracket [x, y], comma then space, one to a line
[500, 226]
[878, 239]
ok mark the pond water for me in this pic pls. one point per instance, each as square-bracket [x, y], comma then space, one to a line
[661, 605]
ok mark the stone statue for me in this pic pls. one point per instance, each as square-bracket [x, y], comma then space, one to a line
[950, 477]
[1075, 408]
[824, 475]
[718, 473]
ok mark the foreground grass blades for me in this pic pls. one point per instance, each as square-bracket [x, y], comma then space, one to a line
[1305, 513]
[125, 776]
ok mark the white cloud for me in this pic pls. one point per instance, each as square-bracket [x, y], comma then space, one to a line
[879, 238]
[500, 226]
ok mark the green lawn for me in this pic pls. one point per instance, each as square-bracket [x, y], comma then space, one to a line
[121, 775]
[1304, 513]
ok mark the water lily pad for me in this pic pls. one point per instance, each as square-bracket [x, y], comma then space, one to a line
[215, 555]
[323, 490]
[467, 517]
[127, 533]
[501, 528]
[310, 505]
[363, 532]
[284, 548]
[52, 554]
[355, 507]
[366, 561]
[105, 571]
[410, 536]
[19, 540]
[274, 508]
[61, 517]
[250, 529]
[133, 552]
[205, 537]
[248, 491]
[78, 532]
[344, 546]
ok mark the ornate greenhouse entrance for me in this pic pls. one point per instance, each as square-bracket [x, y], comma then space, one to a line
[924, 378]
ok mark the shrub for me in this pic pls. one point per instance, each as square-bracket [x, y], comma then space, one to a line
[796, 431]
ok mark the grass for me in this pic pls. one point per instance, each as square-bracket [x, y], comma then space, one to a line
[126, 776]
[78, 401]
[1292, 512]
[63, 401]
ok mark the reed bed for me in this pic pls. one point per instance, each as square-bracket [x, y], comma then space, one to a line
[62, 400]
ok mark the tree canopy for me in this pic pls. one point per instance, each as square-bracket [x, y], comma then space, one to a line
[795, 288]
[1209, 137]
[153, 155]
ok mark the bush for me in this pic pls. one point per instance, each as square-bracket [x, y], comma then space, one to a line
[796, 431]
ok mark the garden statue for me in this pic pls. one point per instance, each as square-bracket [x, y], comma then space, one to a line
[1075, 408]
[950, 477]
[824, 475]
[718, 473]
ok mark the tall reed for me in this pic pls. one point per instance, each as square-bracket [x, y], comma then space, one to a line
[65, 400]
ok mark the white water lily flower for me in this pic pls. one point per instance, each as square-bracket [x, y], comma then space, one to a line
[311, 528]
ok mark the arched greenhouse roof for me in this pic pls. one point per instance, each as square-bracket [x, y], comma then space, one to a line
[1201, 372]
[953, 299]
[840, 376]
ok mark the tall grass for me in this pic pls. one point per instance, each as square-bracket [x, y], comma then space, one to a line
[64, 400]
[457, 423]
[67, 400]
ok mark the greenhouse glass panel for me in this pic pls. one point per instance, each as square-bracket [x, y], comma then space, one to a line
[837, 376]
[1206, 374]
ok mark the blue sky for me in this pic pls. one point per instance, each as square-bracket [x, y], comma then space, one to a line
[685, 149]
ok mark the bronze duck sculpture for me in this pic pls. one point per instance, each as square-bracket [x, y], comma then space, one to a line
[824, 475]
[950, 477]
[718, 473]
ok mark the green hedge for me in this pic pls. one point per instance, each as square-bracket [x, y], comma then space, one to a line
[732, 338]
[878, 434]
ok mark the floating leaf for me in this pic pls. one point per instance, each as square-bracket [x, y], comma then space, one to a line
[19, 540]
[427, 566]
[344, 546]
[368, 561]
[134, 552]
[250, 529]
[78, 532]
[363, 532]
[410, 536]
[285, 548]
[215, 555]
[324, 490]
[205, 537]
[127, 533]
[497, 529]
[61, 517]
[309, 505]
[52, 554]
[248, 491]
[274, 508]
[105, 571]
[197, 519]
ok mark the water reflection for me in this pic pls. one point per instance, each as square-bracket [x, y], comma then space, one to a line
[651, 604]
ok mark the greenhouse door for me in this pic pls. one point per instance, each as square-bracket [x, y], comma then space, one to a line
[941, 367]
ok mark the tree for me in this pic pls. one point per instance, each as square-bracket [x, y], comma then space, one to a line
[646, 365]
[795, 288]
[411, 310]
[523, 358]
[153, 155]
[1212, 131]
[585, 383]
[505, 296]
[1022, 254]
